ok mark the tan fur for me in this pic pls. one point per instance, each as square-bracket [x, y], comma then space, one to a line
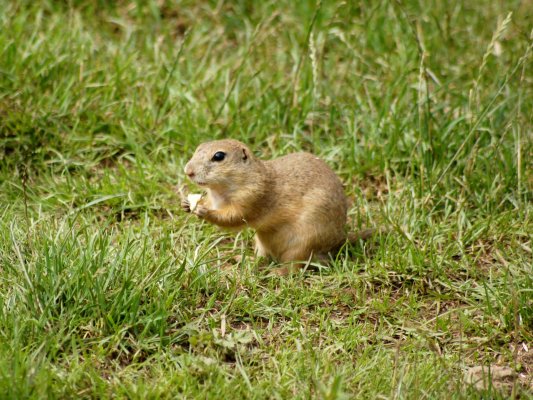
[295, 203]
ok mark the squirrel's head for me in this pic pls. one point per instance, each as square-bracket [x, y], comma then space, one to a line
[220, 164]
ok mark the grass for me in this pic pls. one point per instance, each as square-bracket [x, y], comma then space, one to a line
[108, 290]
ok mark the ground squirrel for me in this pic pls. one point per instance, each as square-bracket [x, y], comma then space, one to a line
[295, 203]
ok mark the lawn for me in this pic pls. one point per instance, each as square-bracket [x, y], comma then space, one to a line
[109, 290]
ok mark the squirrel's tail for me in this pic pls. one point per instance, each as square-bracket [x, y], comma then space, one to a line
[365, 234]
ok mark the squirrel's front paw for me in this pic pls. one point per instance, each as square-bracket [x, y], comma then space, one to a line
[183, 192]
[201, 211]
[185, 205]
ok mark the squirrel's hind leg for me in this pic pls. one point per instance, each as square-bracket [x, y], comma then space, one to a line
[260, 249]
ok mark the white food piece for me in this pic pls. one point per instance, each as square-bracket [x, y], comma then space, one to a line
[193, 199]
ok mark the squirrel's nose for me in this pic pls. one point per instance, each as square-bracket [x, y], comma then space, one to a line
[188, 171]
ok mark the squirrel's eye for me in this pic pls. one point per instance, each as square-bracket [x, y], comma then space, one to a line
[218, 156]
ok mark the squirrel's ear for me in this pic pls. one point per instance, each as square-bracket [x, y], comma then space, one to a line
[244, 155]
